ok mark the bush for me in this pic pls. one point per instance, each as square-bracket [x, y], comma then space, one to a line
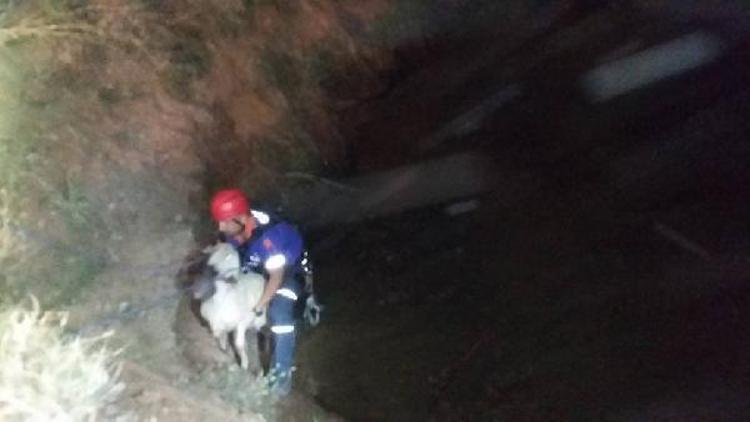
[246, 392]
[46, 375]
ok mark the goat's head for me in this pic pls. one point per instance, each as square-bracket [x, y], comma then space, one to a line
[223, 263]
[204, 286]
[224, 258]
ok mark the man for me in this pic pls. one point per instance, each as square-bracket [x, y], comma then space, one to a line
[273, 248]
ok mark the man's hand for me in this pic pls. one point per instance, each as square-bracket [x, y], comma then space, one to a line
[258, 311]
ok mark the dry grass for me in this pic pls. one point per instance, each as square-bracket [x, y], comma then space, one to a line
[244, 391]
[46, 375]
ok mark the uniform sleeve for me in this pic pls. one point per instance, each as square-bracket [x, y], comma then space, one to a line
[282, 244]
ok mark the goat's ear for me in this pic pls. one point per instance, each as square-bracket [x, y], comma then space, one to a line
[208, 250]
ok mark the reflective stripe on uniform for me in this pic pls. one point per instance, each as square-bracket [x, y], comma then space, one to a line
[282, 329]
[262, 217]
[275, 262]
[287, 293]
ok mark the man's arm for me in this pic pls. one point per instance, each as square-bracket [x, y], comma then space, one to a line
[275, 277]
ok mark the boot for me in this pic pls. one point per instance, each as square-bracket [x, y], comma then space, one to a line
[280, 381]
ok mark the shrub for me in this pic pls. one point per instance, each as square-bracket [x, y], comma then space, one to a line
[47, 375]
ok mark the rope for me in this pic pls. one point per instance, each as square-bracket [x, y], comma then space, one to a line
[129, 314]
[312, 311]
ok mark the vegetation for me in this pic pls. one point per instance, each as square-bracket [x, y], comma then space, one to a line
[44, 218]
[245, 392]
[48, 375]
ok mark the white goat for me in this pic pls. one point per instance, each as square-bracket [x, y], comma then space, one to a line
[230, 308]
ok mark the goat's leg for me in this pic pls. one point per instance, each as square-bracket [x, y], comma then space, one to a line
[221, 338]
[239, 344]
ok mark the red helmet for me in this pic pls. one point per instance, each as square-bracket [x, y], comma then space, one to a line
[229, 203]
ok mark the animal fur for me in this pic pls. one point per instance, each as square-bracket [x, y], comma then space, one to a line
[230, 308]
